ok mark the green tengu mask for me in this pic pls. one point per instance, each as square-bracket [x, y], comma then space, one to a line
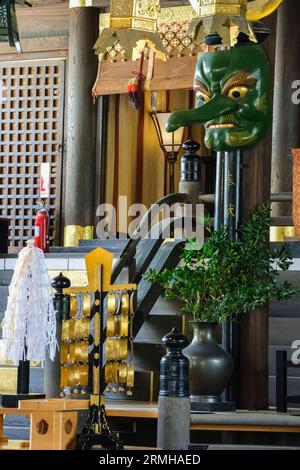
[233, 89]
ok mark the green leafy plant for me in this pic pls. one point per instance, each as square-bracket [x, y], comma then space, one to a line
[228, 276]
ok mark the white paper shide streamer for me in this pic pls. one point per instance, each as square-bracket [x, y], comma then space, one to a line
[29, 325]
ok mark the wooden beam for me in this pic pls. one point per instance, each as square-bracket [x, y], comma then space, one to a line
[286, 125]
[39, 55]
[43, 20]
[35, 45]
[252, 360]
[47, 18]
[174, 74]
[43, 2]
[237, 428]
[105, 3]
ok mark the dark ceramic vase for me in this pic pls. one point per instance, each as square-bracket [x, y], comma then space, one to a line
[210, 366]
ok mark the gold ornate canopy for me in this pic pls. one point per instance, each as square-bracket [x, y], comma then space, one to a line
[133, 24]
[228, 18]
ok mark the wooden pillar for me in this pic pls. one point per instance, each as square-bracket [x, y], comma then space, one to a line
[79, 208]
[286, 126]
[253, 391]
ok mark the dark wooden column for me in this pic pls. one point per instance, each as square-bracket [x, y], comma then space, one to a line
[286, 126]
[254, 328]
[101, 149]
[81, 119]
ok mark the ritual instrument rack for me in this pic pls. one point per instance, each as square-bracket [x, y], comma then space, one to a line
[97, 346]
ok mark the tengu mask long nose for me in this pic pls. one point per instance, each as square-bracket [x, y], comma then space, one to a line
[218, 106]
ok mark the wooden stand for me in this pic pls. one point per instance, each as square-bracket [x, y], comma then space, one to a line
[53, 423]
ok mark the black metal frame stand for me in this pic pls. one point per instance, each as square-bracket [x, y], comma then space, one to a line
[96, 431]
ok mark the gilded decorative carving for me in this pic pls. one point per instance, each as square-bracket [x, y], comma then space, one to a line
[172, 26]
[146, 8]
[178, 14]
[120, 8]
[226, 18]
[173, 23]
[130, 22]
[74, 233]
[77, 277]
[217, 7]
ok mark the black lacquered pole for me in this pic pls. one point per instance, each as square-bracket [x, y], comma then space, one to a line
[52, 370]
[171, 182]
[235, 325]
[238, 191]
[230, 191]
[23, 377]
[218, 192]
[233, 162]
[226, 339]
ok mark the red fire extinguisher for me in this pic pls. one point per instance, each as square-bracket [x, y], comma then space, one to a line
[41, 228]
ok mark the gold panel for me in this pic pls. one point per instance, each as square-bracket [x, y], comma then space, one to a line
[80, 3]
[257, 9]
[185, 13]
[8, 379]
[221, 7]
[276, 234]
[279, 234]
[146, 8]
[289, 232]
[74, 233]
[143, 24]
[77, 277]
[125, 8]
[121, 7]
[130, 22]
[120, 23]
[127, 14]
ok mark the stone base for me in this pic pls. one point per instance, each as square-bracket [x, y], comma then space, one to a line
[173, 426]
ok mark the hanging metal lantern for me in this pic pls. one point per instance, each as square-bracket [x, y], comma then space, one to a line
[8, 23]
[133, 24]
[221, 21]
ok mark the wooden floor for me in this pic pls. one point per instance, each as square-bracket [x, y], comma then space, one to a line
[14, 445]
[143, 413]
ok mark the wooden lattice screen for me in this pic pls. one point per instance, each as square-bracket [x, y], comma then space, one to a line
[31, 123]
